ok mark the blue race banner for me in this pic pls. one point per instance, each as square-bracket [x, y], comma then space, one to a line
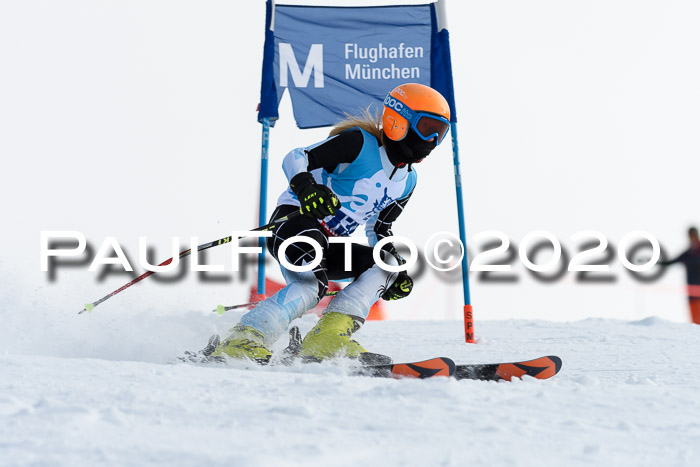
[338, 60]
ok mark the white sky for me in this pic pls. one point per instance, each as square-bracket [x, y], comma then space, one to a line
[138, 118]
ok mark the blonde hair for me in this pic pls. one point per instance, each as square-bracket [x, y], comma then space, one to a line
[365, 120]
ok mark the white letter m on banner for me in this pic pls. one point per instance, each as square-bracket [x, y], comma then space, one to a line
[313, 62]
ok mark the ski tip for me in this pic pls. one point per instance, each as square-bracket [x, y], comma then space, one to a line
[557, 363]
[220, 309]
[539, 368]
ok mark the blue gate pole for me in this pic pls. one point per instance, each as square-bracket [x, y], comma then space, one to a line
[262, 218]
[468, 314]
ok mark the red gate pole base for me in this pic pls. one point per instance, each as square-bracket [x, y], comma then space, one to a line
[468, 324]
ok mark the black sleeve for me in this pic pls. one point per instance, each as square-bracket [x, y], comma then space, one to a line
[341, 149]
[388, 215]
[682, 258]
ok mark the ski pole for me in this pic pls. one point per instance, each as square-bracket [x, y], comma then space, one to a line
[271, 226]
[221, 309]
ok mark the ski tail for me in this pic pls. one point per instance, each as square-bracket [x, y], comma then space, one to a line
[540, 368]
[204, 355]
[440, 366]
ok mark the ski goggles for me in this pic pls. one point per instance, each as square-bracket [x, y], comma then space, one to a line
[426, 125]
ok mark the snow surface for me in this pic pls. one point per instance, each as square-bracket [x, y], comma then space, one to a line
[627, 395]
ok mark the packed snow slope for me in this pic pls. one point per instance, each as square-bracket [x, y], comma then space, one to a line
[627, 395]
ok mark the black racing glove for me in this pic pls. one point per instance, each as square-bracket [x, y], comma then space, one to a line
[401, 287]
[316, 200]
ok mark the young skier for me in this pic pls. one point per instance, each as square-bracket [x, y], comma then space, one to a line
[361, 175]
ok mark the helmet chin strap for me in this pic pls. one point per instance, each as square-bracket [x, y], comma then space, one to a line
[396, 167]
[406, 149]
[399, 166]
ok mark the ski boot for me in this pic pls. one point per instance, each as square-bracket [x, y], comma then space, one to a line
[331, 338]
[244, 342]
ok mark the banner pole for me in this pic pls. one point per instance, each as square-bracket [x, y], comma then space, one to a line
[263, 201]
[468, 314]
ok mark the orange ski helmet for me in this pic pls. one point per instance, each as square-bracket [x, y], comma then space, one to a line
[415, 106]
